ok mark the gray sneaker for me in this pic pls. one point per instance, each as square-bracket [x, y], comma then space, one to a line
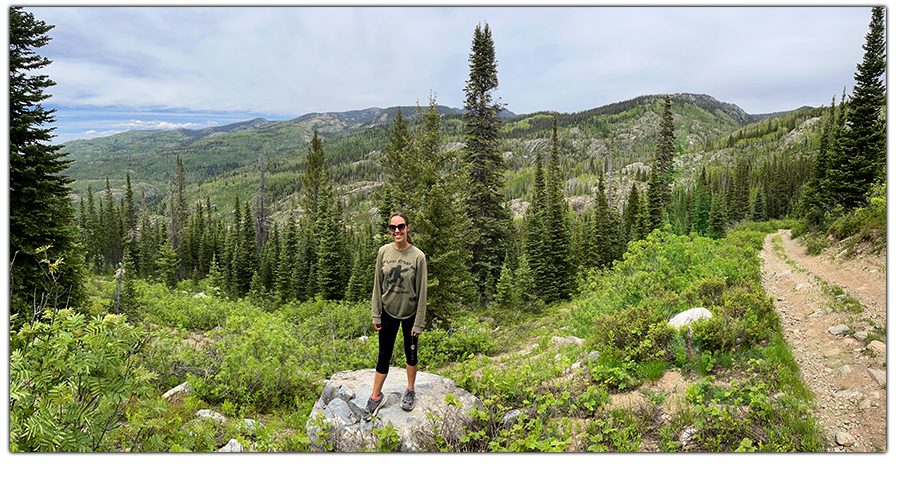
[374, 405]
[409, 400]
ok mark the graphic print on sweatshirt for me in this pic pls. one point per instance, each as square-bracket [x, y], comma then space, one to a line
[394, 279]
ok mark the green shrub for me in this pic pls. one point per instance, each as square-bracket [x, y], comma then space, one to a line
[439, 348]
[71, 380]
[709, 290]
[259, 369]
[633, 333]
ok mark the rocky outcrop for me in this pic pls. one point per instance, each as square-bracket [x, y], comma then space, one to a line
[339, 421]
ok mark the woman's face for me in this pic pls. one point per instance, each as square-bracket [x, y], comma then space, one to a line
[398, 228]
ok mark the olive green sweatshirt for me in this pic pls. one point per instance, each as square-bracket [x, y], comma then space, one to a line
[401, 285]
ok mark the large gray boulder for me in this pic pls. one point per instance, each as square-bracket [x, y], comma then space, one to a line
[345, 425]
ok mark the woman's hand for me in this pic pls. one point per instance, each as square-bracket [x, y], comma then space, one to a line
[414, 334]
[377, 326]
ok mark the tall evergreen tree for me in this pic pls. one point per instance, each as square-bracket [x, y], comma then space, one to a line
[440, 225]
[534, 236]
[655, 203]
[642, 223]
[178, 216]
[631, 210]
[40, 212]
[130, 215]
[314, 177]
[813, 203]
[862, 147]
[700, 203]
[485, 208]
[665, 153]
[286, 291]
[558, 232]
[260, 211]
[718, 215]
[399, 179]
[329, 239]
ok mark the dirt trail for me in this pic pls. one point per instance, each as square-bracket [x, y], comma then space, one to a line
[837, 367]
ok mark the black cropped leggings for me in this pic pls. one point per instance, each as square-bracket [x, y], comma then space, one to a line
[388, 335]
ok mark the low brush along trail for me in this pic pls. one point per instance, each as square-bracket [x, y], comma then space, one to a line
[815, 294]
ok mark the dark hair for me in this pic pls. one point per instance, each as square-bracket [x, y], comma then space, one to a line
[406, 220]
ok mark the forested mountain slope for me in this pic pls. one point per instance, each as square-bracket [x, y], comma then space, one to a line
[223, 162]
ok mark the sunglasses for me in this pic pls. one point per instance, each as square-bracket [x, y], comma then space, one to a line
[398, 227]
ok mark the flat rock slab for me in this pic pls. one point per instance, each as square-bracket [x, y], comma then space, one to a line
[878, 376]
[346, 426]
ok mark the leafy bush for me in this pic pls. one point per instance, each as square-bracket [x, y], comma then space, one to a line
[71, 380]
[259, 369]
[633, 333]
[439, 348]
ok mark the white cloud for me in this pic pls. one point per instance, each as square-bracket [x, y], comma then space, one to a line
[160, 125]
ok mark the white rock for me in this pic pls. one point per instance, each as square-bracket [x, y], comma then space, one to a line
[211, 414]
[175, 390]
[844, 439]
[687, 317]
[233, 446]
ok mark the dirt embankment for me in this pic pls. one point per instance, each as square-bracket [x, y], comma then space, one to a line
[814, 296]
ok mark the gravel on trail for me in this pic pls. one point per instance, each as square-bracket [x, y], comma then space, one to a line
[832, 307]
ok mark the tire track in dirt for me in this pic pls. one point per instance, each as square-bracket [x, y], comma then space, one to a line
[851, 404]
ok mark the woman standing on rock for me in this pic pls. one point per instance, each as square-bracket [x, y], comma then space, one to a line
[398, 299]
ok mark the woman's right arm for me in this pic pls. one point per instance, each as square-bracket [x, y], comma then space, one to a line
[376, 293]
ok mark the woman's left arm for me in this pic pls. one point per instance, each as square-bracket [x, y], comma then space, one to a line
[421, 296]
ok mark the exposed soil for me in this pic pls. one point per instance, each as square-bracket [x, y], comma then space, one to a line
[851, 405]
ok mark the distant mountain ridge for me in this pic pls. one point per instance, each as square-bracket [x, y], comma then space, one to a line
[149, 155]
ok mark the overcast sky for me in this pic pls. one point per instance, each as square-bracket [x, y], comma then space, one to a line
[120, 68]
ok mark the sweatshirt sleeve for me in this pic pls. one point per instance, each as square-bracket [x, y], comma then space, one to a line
[376, 291]
[421, 295]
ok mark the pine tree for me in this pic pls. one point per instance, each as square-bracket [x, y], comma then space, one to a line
[739, 192]
[260, 211]
[665, 154]
[534, 234]
[315, 176]
[631, 210]
[485, 208]
[642, 224]
[40, 212]
[399, 180]
[130, 215]
[862, 146]
[178, 214]
[655, 203]
[329, 237]
[286, 291]
[604, 230]
[718, 215]
[700, 203]
[506, 289]
[758, 213]
[166, 263]
[215, 276]
[557, 229]
[440, 225]
[813, 203]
